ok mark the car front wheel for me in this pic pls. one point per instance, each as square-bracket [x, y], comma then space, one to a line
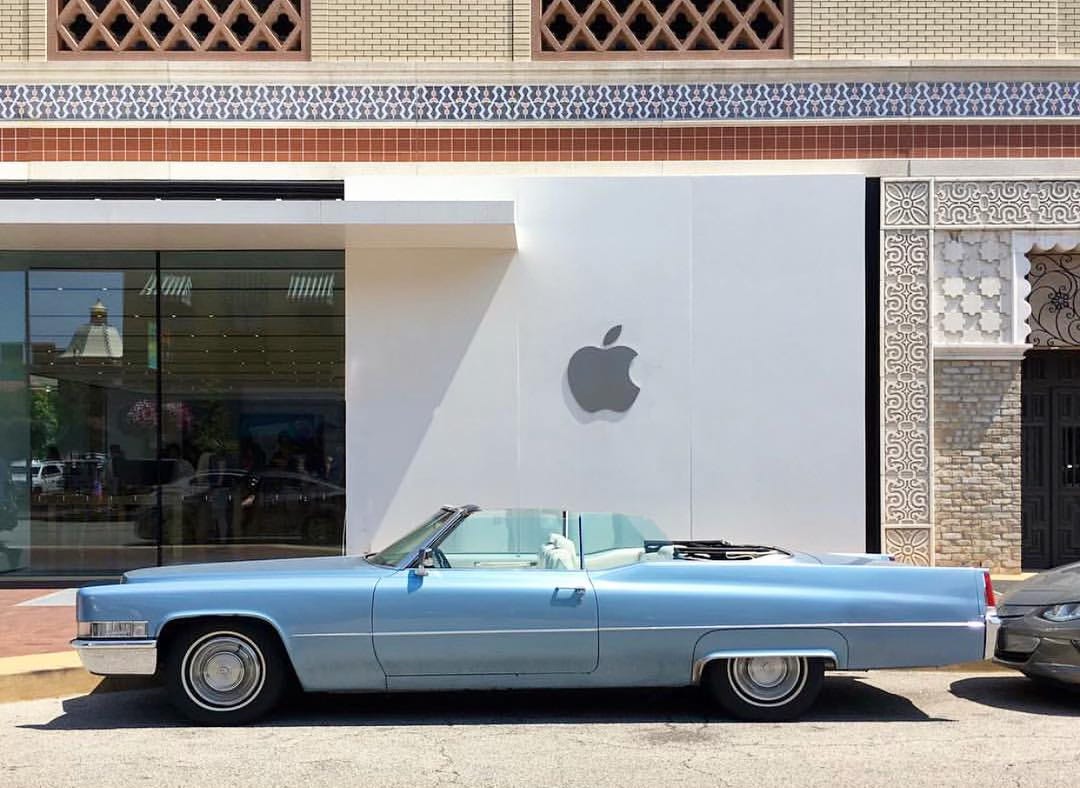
[225, 673]
[766, 689]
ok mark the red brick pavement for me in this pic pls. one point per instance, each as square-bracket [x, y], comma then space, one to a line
[33, 630]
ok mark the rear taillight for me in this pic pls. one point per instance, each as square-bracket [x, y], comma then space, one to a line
[988, 584]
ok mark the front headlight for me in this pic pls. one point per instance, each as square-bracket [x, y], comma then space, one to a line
[112, 629]
[1070, 611]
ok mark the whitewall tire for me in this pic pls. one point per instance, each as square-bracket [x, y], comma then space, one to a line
[767, 689]
[225, 673]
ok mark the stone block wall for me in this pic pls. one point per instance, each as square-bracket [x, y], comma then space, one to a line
[977, 463]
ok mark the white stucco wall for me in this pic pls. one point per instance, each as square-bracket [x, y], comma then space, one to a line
[744, 297]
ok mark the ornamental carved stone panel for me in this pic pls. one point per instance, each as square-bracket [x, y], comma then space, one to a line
[1006, 203]
[958, 257]
[905, 378]
[972, 299]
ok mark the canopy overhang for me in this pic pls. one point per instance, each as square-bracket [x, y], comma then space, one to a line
[100, 225]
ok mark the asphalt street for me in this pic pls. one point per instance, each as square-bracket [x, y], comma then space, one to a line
[886, 728]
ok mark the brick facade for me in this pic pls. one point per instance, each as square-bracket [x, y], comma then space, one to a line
[22, 35]
[500, 30]
[977, 463]
[854, 29]
[390, 30]
[526, 143]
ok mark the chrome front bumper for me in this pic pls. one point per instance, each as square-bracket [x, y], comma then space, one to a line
[993, 624]
[118, 657]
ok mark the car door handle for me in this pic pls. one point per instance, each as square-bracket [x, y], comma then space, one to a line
[578, 592]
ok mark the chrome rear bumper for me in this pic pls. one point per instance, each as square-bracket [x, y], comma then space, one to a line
[993, 624]
[118, 657]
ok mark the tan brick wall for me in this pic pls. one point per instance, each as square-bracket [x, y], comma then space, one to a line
[13, 31]
[500, 30]
[828, 29]
[977, 464]
[1069, 27]
[384, 30]
[22, 34]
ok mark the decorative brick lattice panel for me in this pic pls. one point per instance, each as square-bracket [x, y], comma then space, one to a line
[206, 28]
[658, 28]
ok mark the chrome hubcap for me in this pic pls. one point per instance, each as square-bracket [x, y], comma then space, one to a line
[767, 681]
[767, 672]
[223, 671]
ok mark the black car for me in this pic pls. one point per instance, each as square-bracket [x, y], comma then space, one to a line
[1040, 626]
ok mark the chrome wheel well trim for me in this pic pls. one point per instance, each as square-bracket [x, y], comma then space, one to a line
[700, 664]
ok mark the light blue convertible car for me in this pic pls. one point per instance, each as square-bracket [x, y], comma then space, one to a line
[485, 599]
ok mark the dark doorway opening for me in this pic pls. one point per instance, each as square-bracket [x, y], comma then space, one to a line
[1050, 458]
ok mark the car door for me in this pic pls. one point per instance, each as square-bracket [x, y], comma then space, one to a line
[508, 597]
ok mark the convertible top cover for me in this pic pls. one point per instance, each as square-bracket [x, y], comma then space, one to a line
[713, 550]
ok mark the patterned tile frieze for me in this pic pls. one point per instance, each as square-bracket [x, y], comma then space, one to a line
[972, 287]
[1006, 203]
[780, 101]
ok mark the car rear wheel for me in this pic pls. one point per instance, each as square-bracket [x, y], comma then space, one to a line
[766, 689]
[225, 673]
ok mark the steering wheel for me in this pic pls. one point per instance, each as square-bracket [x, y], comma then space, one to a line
[440, 558]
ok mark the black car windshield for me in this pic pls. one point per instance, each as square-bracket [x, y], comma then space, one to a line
[407, 545]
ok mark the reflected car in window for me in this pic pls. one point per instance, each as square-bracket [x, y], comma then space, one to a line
[234, 505]
[532, 598]
[45, 475]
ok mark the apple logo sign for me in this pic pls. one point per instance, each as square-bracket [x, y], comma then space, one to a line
[599, 377]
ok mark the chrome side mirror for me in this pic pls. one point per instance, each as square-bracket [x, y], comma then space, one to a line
[426, 562]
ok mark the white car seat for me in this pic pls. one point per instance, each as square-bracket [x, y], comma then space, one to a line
[559, 553]
[664, 553]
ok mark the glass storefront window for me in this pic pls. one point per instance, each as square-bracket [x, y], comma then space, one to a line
[169, 407]
[253, 347]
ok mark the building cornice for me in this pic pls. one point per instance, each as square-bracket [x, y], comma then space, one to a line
[532, 72]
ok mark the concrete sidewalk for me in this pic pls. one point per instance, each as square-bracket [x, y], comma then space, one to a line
[36, 661]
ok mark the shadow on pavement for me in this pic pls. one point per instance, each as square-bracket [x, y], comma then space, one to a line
[844, 699]
[1017, 693]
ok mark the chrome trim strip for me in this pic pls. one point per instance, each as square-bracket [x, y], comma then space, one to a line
[688, 628]
[813, 653]
[828, 625]
[584, 630]
[118, 657]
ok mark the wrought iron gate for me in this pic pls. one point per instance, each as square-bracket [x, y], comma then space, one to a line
[1050, 463]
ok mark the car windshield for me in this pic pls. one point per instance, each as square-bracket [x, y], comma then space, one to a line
[407, 545]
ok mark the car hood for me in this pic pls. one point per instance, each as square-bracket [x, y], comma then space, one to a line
[1048, 588]
[241, 569]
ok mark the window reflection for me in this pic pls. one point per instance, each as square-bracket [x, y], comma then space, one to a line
[213, 429]
[253, 359]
